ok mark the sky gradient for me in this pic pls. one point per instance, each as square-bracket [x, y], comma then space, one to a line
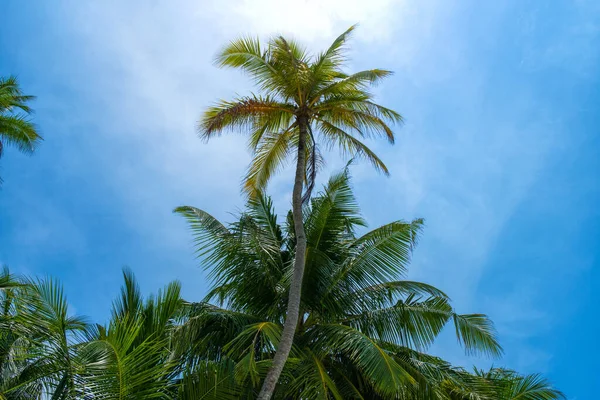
[499, 152]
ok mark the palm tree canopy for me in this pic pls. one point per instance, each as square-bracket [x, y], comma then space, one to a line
[363, 328]
[15, 127]
[295, 87]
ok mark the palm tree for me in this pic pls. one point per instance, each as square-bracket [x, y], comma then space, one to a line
[362, 330]
[306, 100]
[131, 357]
[15, 127]
[15, 348]
[139, 354]
[142, 354]
[39, 340]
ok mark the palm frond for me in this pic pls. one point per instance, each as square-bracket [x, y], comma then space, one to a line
[512, 386]
[11, 96]
[246, 54]
[361, 120]
[348, 144]
[16, 129]
[412, 323]
[126, 372]
[244, 113]
[477, 334]
[344, 84]
[377, 365]
[130, 302]
[207, 230]
[19, 131]
[386, 293]
[209, 380]
[312, 380]
[331, 59]
[269, 157]
[380, 255]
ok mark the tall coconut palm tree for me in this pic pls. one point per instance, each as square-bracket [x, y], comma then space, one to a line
[362, 330]
[305, 101]
[15, 127]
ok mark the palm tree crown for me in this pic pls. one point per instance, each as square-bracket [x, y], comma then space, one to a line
[362, 328]
[298, 90]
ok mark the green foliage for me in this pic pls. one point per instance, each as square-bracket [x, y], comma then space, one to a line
[298, 87]
[45, 352]
[362, 330]
[15, 127]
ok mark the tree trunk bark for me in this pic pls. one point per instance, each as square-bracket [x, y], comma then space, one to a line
[293, 308]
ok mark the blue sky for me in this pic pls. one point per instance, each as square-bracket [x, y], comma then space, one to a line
[498, 153]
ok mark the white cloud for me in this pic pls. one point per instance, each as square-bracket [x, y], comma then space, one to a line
[314, 20]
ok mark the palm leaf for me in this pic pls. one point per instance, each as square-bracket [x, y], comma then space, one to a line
[477, 334]
[207, 230]
[270, 156]
[245, 112]
[377, 365]
[380, 255]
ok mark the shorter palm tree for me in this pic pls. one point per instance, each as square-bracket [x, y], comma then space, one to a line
[15, 127]
[140, 354]
[39, 340]
[363, 329]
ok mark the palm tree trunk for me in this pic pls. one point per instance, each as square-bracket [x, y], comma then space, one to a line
[293, 308]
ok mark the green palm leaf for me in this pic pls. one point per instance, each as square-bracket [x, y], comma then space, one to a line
[16, 128]
[477, 334]
[377, 365]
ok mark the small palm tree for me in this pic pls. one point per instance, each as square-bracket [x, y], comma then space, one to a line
[130, 358]
[306, 101]
[362, 328]
[39, 340]
[142, 354]
[15, 127]
[15, 346]
[139, 354]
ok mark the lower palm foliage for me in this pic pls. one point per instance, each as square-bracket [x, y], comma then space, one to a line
[363, 331]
